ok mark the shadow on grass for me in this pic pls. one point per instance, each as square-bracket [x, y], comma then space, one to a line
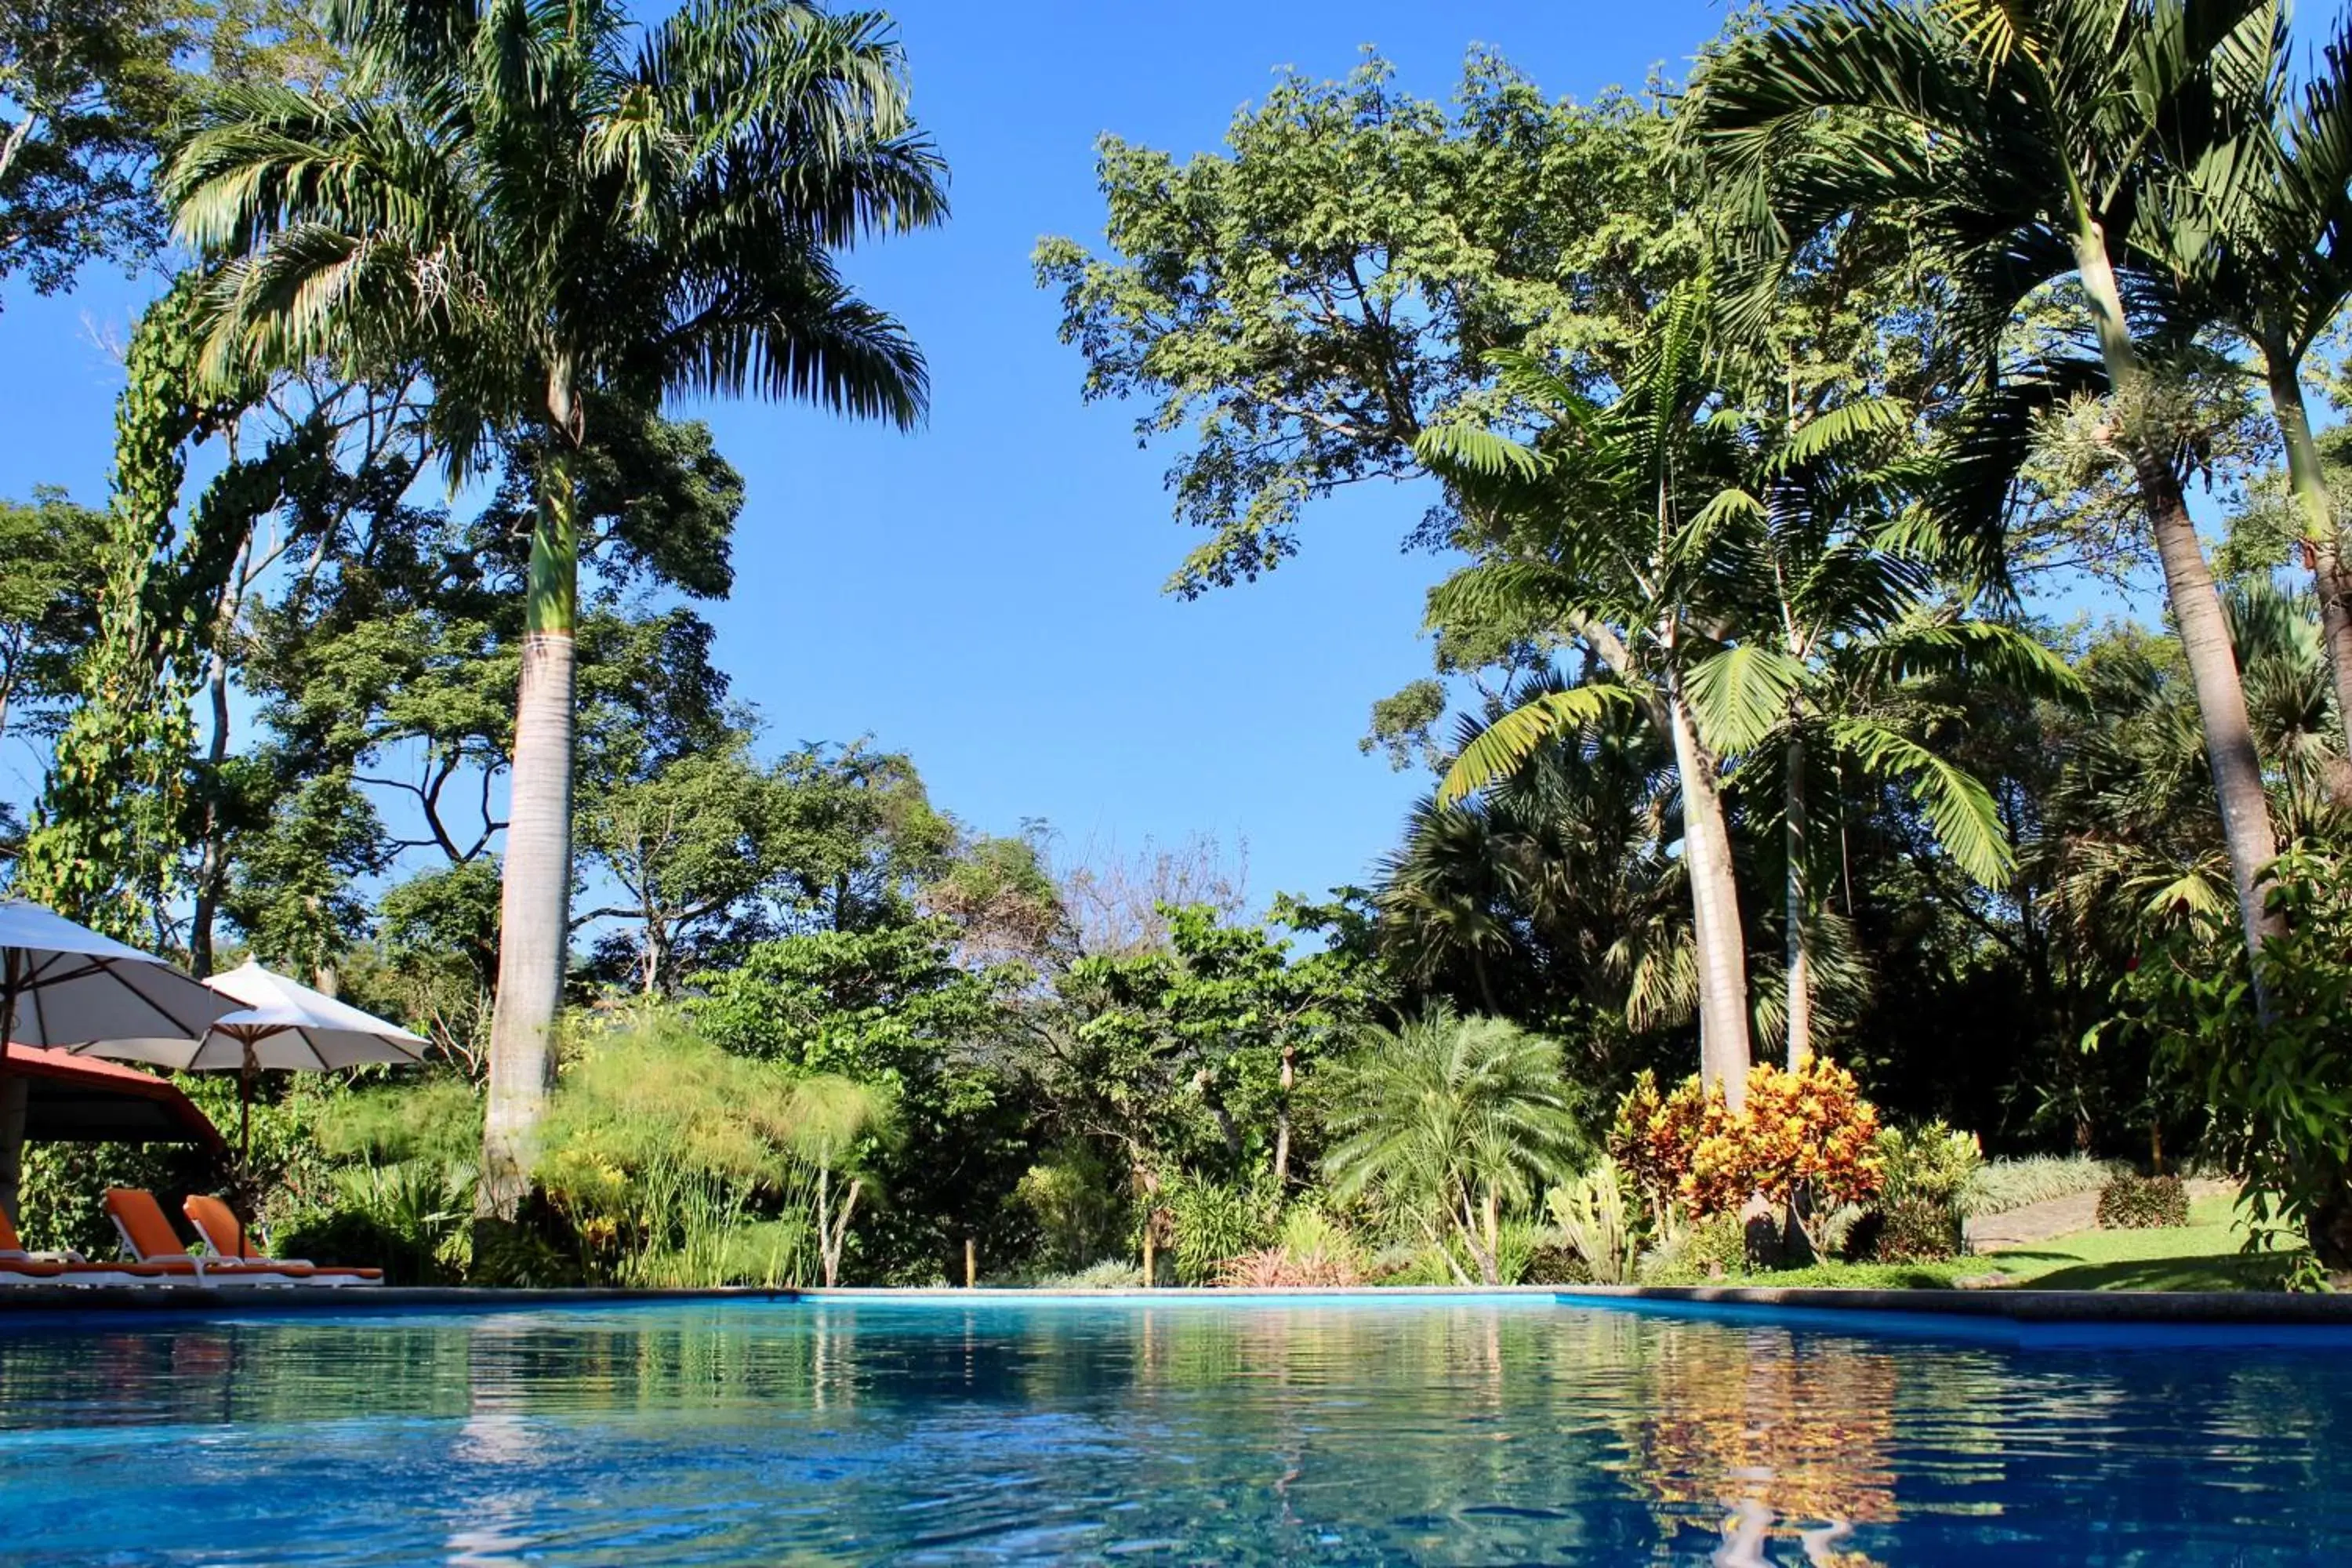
[2205, 1271]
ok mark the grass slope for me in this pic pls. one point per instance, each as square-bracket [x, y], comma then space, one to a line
[2203, 1255]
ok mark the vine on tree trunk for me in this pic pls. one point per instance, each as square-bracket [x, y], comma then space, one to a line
[110, 824]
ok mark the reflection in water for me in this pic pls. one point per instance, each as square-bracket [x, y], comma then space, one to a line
[1787, 1436]
[1393, 1432]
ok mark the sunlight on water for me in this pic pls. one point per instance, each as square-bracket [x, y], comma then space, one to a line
[1447, 1433]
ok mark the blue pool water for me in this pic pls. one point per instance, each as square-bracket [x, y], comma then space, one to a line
[1436, 1431]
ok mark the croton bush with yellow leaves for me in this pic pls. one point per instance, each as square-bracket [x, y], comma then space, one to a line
[1804, 1132]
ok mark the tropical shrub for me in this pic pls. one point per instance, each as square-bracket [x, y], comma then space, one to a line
[1450, 1123]
[1110, 1274]
[2279, 1091]
[1684, 1252]
[1072, 1196]
[435, 1119]
[1211, 1222]
[1591, 1215]
[2143, 1203]
[1283, 1267]
[661, 1151]
[1805, 1140]
[1806, 1132]
[61, 1195]
[1654, 1135]
[413, 1220]
[1923, 1196]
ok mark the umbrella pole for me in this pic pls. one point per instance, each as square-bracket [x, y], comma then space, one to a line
[245, 1111]
[12, 1121]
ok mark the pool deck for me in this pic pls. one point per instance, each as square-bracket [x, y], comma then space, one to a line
[2042, 1307]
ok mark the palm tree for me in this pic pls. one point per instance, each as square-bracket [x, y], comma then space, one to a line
[1449, 1120]
[1556, 881]
[1596, 530]
[2257, 236]
[1811, 664]
[2014, 139]
[551, 210]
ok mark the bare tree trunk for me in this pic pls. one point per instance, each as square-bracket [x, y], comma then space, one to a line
[535, 893]
[1800, 958]
[657, 955]
[832, 1232]
[2196, 613]
[1282, 1121]
[2322, 541]
[1722, 946]
[211, 865]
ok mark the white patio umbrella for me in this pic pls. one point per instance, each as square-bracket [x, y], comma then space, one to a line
[284, 1026]
[64, 984]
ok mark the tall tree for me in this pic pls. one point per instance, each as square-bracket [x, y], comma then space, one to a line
[552, 208]
[1597, 530]
[1833, 611]
[2016, 139]
[1306, 302]
[2256, 233]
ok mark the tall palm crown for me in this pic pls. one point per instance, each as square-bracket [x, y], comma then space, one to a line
[2017, 139]
[1600, 528]
[2256, 236]
[544, 206]
[542, 201]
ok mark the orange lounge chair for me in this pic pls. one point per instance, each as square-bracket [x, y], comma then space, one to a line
[138, 1220]
[19, 1266]
[218, 1225]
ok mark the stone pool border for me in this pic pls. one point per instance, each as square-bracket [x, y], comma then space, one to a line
[2018, 1306]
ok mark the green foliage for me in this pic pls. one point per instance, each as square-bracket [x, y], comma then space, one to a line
[891, 1009]
[435, 1123]
[1073, 1197]
[90, 89]
[1176, 1055]
[1929, 1172]
[2143, 1203]
[1448, 1123]
[660, 1147]
[2000, 1185]
[1302, 303]
[1212, 1223]
[413, 1219]
[61, 1200]
[2279, 1092]
[106, 835]
[1596, 1223]
[1308, 1251]
[1689, 1254]
[51, 560]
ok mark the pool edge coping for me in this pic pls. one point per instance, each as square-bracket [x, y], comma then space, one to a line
[2014, 1304]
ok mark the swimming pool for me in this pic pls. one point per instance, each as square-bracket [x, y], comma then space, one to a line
[1445, 1430]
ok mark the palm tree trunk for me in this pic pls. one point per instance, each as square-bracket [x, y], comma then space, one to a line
[2321, 538]
[1722, 946]
[2196, 613]
[1801, 967]
[535, 892]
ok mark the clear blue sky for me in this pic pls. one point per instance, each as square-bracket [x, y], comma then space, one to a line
[985, 593]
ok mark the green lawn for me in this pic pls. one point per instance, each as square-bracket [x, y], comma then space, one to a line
[2200, 1256]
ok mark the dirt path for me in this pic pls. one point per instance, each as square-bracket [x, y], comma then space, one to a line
[2053, 1218]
